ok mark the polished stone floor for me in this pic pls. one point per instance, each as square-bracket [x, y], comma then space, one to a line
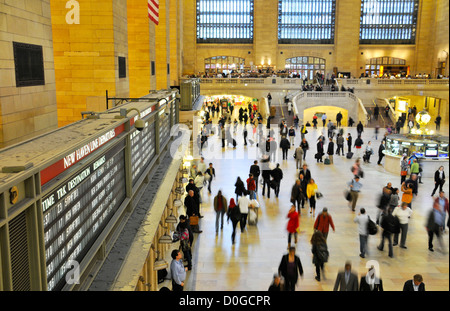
[250, 263]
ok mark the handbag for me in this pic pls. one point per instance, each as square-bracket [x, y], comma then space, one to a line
[319, 195]
[193, 220]
[348, 195]
[404, 173]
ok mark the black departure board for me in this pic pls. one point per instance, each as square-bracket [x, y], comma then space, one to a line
[78, 209]
[164, 127]
[143, 144]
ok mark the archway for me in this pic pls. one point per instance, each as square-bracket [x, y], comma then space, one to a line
[330, 111]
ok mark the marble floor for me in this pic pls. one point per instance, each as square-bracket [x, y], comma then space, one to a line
[250, 263]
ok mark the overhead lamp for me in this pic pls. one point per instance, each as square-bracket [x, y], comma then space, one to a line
[177, 203]
[165, 238]
[159, 264]
[183, 180]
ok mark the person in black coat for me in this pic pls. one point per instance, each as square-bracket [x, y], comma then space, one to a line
[290, 279]
[285, 145]
[360, 128]
[277, 175]
[239, 188]
[297, 194]
[349, 142]
[306, 173]
[330, 151]
[266, 175]
[305, 146]
[415, 283]
[439, 180]
[255, 171]
[319, 153]
[380, 152]
[370, 282]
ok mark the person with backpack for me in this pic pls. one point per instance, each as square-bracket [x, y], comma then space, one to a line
[320, 252]
[390, 225]
[323, 223]
[362, 220]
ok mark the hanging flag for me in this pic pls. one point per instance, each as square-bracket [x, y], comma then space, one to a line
[153, 11]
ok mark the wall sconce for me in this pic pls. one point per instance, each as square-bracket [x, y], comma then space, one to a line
[165, 238]
[159, 263]
[171, 219]
[139, 124]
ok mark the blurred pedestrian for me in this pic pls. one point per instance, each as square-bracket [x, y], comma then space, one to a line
[403, 213]
[290, 267]
[220, 207]
[320, 253]
[362, 220]
[293, 224]
[371, 282]
[311, 190]
[323, 223]
[234, 214]
[414, 285]
[346, 280]
[389, 225]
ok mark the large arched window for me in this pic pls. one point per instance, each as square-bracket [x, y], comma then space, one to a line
[306, 66]
[379, 65]
[219, 64]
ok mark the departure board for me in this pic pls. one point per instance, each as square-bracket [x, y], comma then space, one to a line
[78, 209]
[164, 127]
[142, 150]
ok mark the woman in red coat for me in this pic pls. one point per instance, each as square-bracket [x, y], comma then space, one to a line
[293, 224]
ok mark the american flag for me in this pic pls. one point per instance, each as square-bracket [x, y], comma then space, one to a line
[153, 10]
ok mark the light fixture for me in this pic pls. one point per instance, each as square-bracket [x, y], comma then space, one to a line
[183, 180]
[423, 118]
[139, 124]
[171, 219]
[177, 203]
[159, 263]
[165, 238]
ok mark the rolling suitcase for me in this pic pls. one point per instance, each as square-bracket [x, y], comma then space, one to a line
[349, 155]
[327, 161]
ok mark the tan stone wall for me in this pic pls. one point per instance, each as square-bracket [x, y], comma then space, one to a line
[25, 111]
[346, 53]
[162, 41]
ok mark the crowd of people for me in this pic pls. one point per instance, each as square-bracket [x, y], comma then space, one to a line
[265, 176]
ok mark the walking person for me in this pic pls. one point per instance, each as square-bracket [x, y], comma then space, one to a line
[439, 180]
[239, 188]
[320, 152]
[251, 187]
[277, 175]
[346, 280]
[291, 134]
[349, 142]
[324, 119]
[298, 155]
[388, 223]
[371, 282]
[177, 271]
[340, 144]
[436, 221]
[360, 128]
[407, 194]
[330, 150]
[305, 172]
[290, 267]
[220, 207]
[403, 213]
[362, 220]
[285, 145]
[311, 190]
[404, 167]
[292, 225]
[297, 194]
[234, 214]
[355, 188]
[368, 152]
[211, 173]
[305, 146]
[358, 145]
[243, 204]
[255, 171]
[380, 152]
[323, 223]
[320, 253]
